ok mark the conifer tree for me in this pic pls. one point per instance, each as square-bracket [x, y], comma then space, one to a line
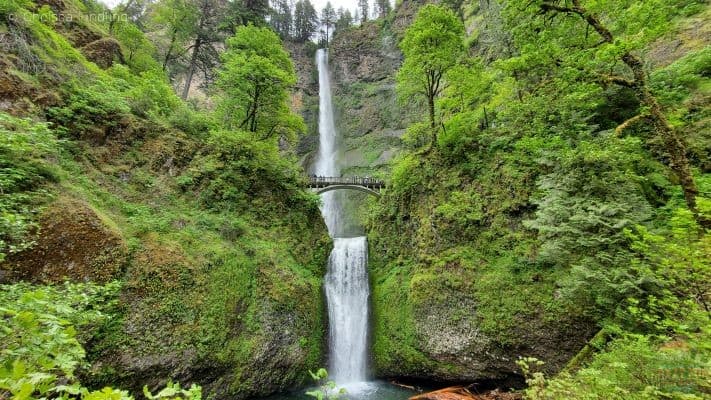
[345, 19]
[363, 8]
[305, 20]
[281, 18]
[382, 8]
[328, 20]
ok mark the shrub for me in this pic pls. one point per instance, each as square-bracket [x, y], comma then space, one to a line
[26, 149]
[41, 342]
[234, 169]
[89, 109]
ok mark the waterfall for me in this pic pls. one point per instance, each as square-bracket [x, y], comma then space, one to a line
[346, 282]
[347, 296]
[326, 161]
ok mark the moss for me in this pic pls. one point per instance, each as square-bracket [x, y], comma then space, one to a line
[229, 297]
[456, 294]
[74, 242]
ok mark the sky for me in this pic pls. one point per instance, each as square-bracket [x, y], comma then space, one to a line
[319, 4]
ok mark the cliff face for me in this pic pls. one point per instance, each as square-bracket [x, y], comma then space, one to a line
[369, 118]
[228, 297]
[454, 296]
[305, 98]
[455, 293]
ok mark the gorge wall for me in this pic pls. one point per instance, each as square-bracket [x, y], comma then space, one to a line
[220, 267]
[458, 292]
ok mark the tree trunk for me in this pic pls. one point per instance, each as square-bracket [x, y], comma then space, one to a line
[191, 68]
[431, 106]
[168, 54]
[196, 49]
[673, 144]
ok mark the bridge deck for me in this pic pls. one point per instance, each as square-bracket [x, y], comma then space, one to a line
[325, 181]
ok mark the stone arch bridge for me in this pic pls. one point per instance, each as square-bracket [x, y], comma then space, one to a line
[323, 184]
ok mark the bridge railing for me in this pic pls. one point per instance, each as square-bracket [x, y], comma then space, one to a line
[321, 181]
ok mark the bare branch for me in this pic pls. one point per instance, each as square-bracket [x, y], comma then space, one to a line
[618, 80]
[629, 123]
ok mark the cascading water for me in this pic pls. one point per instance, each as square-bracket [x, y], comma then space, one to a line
[347, 296]
[346, 282]
[327, 152]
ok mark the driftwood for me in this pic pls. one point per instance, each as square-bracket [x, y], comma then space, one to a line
[402, 385]
[462, 393]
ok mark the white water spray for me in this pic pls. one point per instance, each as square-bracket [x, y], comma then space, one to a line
[346, 282]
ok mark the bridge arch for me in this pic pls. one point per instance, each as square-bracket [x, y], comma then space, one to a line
[347, 186]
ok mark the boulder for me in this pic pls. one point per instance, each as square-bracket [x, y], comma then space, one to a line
[103, 52]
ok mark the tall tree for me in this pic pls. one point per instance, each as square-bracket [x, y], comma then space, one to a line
[204, 54]
[255, 79]
[432, 46]
[281, 19]
[382, 8]
[129, 10]
[620, 28]
[363, 8]
[305, 20]
[174, 22]
[245, 12]
[328, 20]
[344, 21]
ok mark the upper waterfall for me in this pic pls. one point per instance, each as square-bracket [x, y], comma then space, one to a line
[327, 158]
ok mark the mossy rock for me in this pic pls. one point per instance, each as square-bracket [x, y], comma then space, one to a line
[74, 242]
[103, 52]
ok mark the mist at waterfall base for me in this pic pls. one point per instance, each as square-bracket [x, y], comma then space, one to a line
[346, 280]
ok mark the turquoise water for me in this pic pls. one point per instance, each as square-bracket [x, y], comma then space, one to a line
[374, 390]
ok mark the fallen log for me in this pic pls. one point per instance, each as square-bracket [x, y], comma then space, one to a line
[462, 393]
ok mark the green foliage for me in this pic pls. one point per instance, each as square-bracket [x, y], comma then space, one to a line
[40, 349]
[138, 51]
[92, 110]
[26, 151]
[464, 107]
[234, 170]
[89, 109]
[305, 20]
[672, 271]
[668, 291]
[9, 7]
[586, 202]
[176, 23]
[151, 93]
[223, 266]
[173, 391]
[530, 215]
[42, 338]
[255, 79]
[327, 389]
[417, 136]
[630, 367]
[432, 46]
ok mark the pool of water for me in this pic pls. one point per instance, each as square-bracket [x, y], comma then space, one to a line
[374, 390]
